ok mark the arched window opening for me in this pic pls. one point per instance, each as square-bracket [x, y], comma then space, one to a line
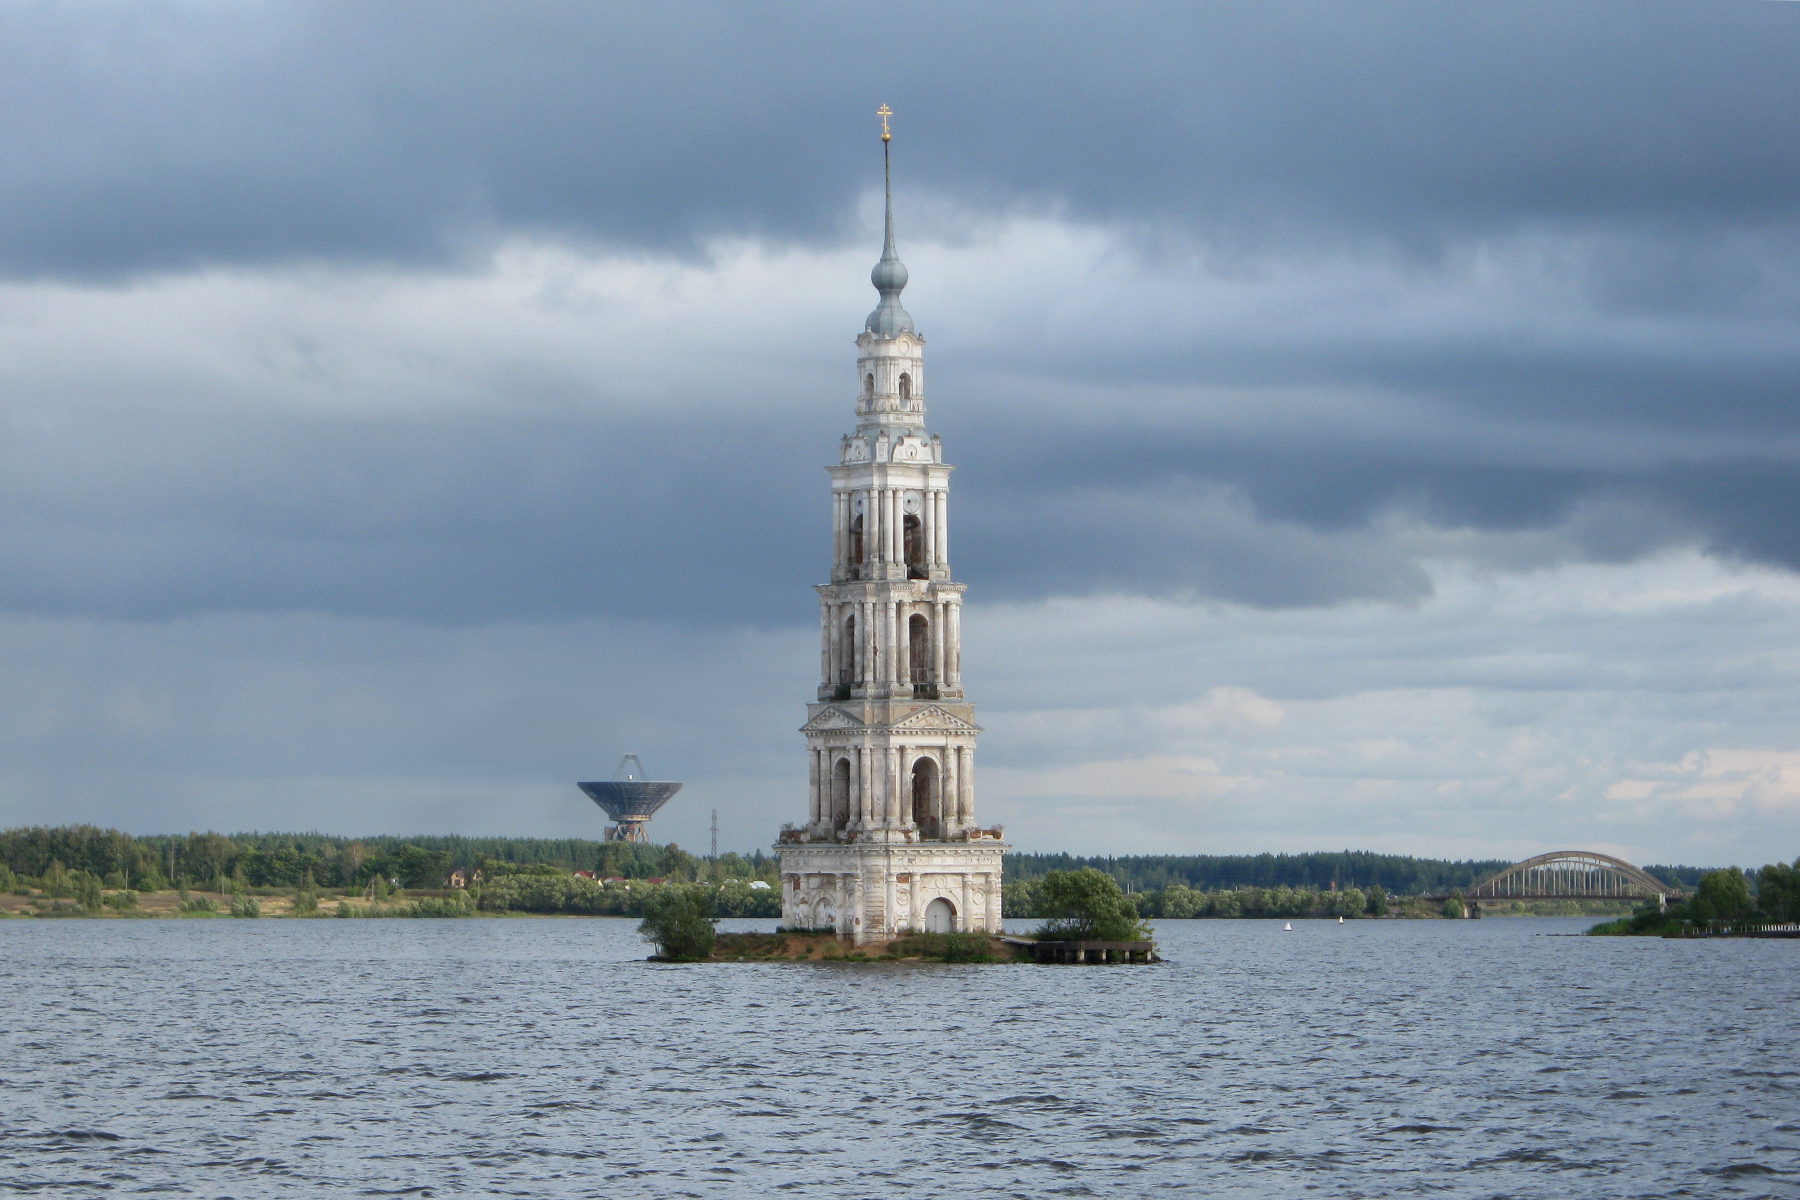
[840, 794]
[914, 533]
[925, 800]
[905, 386]
[918, 657]
[856, 546]
[868, 387]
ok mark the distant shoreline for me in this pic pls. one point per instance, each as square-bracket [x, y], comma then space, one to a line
[207, 905]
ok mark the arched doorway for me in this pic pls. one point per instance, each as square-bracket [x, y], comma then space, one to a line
[918, 655]
[840, 794]
[924, 799]
[940, 916]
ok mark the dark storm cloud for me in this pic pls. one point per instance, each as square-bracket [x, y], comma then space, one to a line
[149, 138]
[1636, 165]
[1274, 525]
[487, 519]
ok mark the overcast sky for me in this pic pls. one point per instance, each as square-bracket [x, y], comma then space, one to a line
[1377, 425]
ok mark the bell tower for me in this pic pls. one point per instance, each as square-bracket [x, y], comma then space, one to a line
[890, 844]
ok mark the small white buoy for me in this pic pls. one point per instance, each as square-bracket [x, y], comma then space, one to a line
[1340, 920]
[1288, 928]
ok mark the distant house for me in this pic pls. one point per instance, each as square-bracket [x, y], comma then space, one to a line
[760, 883]
[614, 881]
[584, 874]
[462, 877]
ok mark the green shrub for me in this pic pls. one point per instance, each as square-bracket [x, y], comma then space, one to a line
[246, 906]
[1648, 921]
[457, 904]
[199, 904]
[1087, 906]
[679, 921]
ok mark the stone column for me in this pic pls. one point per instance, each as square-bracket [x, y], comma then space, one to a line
[965, 788]
[903, 665]
[891, 899]
[965, 918]
[865, 642]
[860, 810]
[928, 519]
[871, 527]
[938, 639]
[896, 632]
[834, 643]
[840, 531]
[887, 525]
[950, 783]
[943, 524]
[953, 651]
[902, 787]
[881, 762]
[899, 543]
[812, 786]
[889, 520]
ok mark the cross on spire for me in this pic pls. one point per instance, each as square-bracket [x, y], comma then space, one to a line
[884, 112]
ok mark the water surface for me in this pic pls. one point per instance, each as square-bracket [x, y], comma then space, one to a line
[544, 1058]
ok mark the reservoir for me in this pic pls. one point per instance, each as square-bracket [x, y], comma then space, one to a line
[544, 1058]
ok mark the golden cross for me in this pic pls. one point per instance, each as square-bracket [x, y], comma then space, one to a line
[884, 112]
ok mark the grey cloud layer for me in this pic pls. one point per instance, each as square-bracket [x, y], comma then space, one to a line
[162, 139]
[1533, 257]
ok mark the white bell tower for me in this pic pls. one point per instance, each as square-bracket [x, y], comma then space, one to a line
[890, 844]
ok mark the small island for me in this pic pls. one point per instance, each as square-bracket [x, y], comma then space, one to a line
[1724, 905]
[1090, 921]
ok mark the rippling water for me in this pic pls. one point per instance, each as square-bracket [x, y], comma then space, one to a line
[544, 1058]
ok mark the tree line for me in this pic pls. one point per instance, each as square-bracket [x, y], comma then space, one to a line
[1318, 871]
[539, 872]
[157, 862]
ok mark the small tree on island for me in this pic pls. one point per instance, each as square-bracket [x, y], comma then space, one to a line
[1722, 896]
[1087, 906]
[679, 921]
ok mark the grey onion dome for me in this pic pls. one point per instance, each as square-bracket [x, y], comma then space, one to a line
[890, 319]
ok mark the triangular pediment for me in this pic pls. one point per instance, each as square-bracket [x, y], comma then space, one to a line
[936, 717]
[831, 718]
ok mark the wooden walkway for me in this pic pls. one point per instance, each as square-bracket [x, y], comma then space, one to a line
[1085, 953]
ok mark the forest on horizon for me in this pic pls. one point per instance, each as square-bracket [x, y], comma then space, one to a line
[156, 861]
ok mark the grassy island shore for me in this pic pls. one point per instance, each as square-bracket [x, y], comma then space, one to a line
[786, 946]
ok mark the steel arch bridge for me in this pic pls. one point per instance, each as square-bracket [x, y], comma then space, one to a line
[1571, 875]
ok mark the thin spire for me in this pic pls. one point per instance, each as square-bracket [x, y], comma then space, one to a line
[889, 319]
